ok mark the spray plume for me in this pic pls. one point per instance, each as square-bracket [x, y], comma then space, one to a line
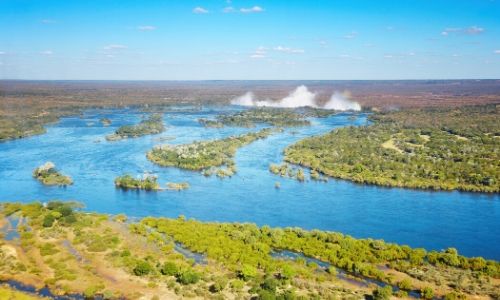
[299, 98]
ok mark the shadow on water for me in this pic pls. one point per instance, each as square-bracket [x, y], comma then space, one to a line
[360, 281]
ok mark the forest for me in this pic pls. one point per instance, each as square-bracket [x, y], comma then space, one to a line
[147, 183]
[114, 257]
[443, 149]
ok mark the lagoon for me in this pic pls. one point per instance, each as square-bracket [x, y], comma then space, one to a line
[433, 220]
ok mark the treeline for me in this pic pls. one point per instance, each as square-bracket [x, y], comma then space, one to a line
[154, 124]
[437, 149]
[204, 154]
[243, 246]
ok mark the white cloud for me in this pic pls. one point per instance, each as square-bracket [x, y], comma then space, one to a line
[200, 10]
[260, 52]
[348, 37]
[116, 47]
[496, 51]
[473, 30]
[110, 56]
[1, 63]
[432, 39]
[228, 9]
[344, 56]
[358, 58]
[354, 32]
[412, 54]
[456, 55]
[322, 43]
[229, 61]
[390, 28]
[85, 50]
[288, 50]
[388, 56]
[146, 28]
[250, 10]
[2, 53]
[257, 56]
[368, 45]
[228, 1]
[49, 21]
[46, 52]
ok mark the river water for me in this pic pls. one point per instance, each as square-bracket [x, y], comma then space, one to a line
[433, 220]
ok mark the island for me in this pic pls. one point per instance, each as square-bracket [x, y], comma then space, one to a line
[148, 182]
[278, 117]
[49, 175]
[76, 253]
[442, 149]
[204, 154]
[105, 121]
[152, 125]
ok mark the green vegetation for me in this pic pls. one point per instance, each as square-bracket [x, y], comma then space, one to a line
[204, 154]
[105, 121]
[416, 148]
[319, 112]
[238, 261]
[279, 117]
[154, 124]
[287, 171]
[49, 175]
[148, 183]
[178, 186]
[210, 123]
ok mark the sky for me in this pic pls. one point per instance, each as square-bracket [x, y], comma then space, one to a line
[249, 39]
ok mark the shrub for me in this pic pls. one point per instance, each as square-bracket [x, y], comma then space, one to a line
[189, 277]
[142, 268]
[48, 220]
[169, 268]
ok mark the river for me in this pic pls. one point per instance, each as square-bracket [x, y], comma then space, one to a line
[433, 220]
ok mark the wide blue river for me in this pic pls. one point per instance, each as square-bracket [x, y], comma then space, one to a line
[433, 220]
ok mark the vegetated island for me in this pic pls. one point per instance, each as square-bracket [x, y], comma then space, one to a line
[210, 123]
[278, 117]
[284, 170]
[148, 183]
[49, 175]
[154, 124]
[204, 154]
[105, 121]
[74, 252]
[444, 149]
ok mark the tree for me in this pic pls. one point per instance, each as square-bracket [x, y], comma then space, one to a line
[405, 284]
[142, 268]
[427, 293]
[248, 272]
[189, 277]
[169, 268]
[382, 293]
[48, 220]
[288, 272]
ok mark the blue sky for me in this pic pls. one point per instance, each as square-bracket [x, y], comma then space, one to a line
[249, 40]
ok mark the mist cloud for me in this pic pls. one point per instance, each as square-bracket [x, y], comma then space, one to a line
[299, 98]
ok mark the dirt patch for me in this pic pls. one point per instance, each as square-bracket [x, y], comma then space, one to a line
[390, 145]
[425, 137]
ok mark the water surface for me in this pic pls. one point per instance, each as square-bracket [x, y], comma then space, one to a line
[419, 218]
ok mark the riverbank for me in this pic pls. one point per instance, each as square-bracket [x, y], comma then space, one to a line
[97, 254]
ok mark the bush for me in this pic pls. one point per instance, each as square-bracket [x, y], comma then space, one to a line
[384, 293]
[189, 277]
[427, 293]
[48, 220]
[266, 295]
[405, 284]
[169, 268]
[142, 268]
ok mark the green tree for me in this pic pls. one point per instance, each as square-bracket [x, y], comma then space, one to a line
[248, 272]
[427, 293]
[384, 293]
[142, 268]
[405, 284]
[189, 277]
[48, 220]
[169, 268]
